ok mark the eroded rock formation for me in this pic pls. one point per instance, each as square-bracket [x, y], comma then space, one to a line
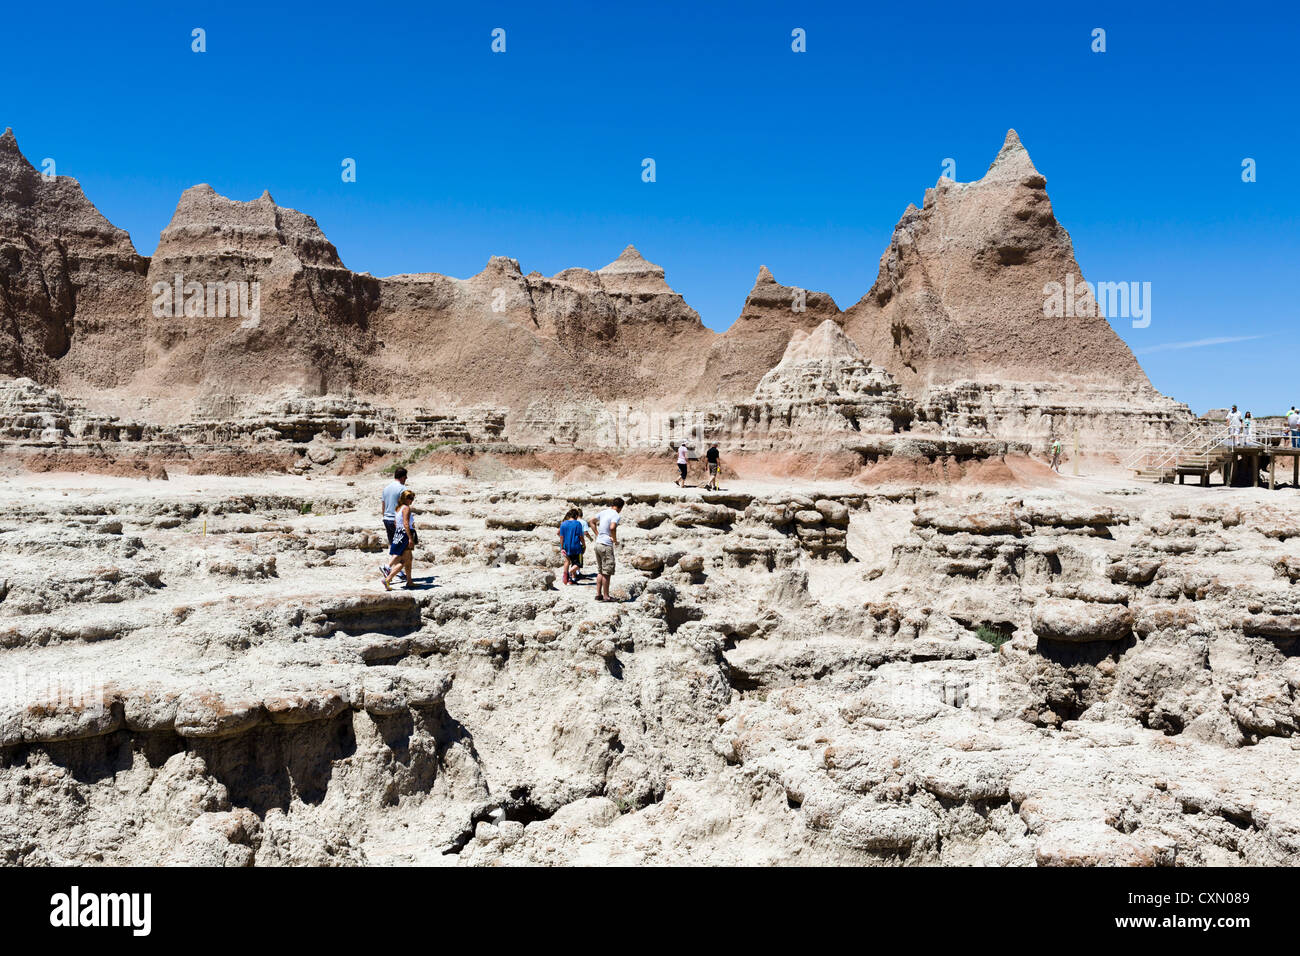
[773, 314]
[958, 315]
[250, 297]
[873, 678]
[69, 280]
[246, 298]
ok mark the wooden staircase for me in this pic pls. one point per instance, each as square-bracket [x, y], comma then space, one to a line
[1204, 449]
[1208, 447]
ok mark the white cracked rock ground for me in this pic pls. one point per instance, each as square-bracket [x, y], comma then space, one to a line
[808, 676]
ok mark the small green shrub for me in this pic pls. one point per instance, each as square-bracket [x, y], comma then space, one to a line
[992, 636]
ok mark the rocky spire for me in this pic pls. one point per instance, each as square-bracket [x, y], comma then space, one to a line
[1012, 163]
[65, 260]
[962, 288]
[632, 273]
[9, 144]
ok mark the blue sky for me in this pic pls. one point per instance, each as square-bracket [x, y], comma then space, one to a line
[802, 162]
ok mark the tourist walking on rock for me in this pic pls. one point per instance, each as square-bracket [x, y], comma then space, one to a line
[392, 491]
[1234, 426]
[573, 542]
[605, 525]
[711, 456]
[401, 551]
[1056, 455]
[683, 458]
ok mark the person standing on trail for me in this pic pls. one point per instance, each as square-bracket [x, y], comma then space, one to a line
[683, 458]
[573, 541]
[1249, 427]
[1234, 426]
[389, 498]
[605, 525]
[1293, 423]
[711, 456]
[1056, 455]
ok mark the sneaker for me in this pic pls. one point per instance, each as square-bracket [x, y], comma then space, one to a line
[383, 577]
[402, 575]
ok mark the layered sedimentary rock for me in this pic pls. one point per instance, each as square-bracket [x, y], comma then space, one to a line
[1106, 418]
[69, 279]
[960, 293]
[291, 431]
[823, 377]
[617, 334]
[773, 314]
[246, 298]
[32, 413]
[959, 315]
[822, 393]
[892, 678]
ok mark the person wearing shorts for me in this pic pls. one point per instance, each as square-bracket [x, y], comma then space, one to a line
[683, 457]
[388, 498]
[573, 541]
[605, 525]
[402, 550]
[711, 456]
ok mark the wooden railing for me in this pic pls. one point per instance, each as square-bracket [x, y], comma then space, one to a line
[1200, 444]
[1206, 445]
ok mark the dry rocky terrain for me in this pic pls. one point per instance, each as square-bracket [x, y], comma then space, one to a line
[895, 637]
[1071, 671]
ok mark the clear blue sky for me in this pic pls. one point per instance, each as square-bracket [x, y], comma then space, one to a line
[802, 162]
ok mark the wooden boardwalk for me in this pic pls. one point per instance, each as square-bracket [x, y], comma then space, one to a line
[1257, 458]
[1212, 449]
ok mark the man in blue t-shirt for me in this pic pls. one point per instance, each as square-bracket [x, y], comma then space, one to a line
[392, 491]
[573, 543]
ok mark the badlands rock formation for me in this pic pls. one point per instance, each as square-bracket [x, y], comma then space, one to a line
[42, 431]
[826, 369]
[960, 290]
[772, 315]
[893, 638]
[619, 333]
[958, 316]
[822, 394]
[70, 281]
[248, 298]
[207, 671]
